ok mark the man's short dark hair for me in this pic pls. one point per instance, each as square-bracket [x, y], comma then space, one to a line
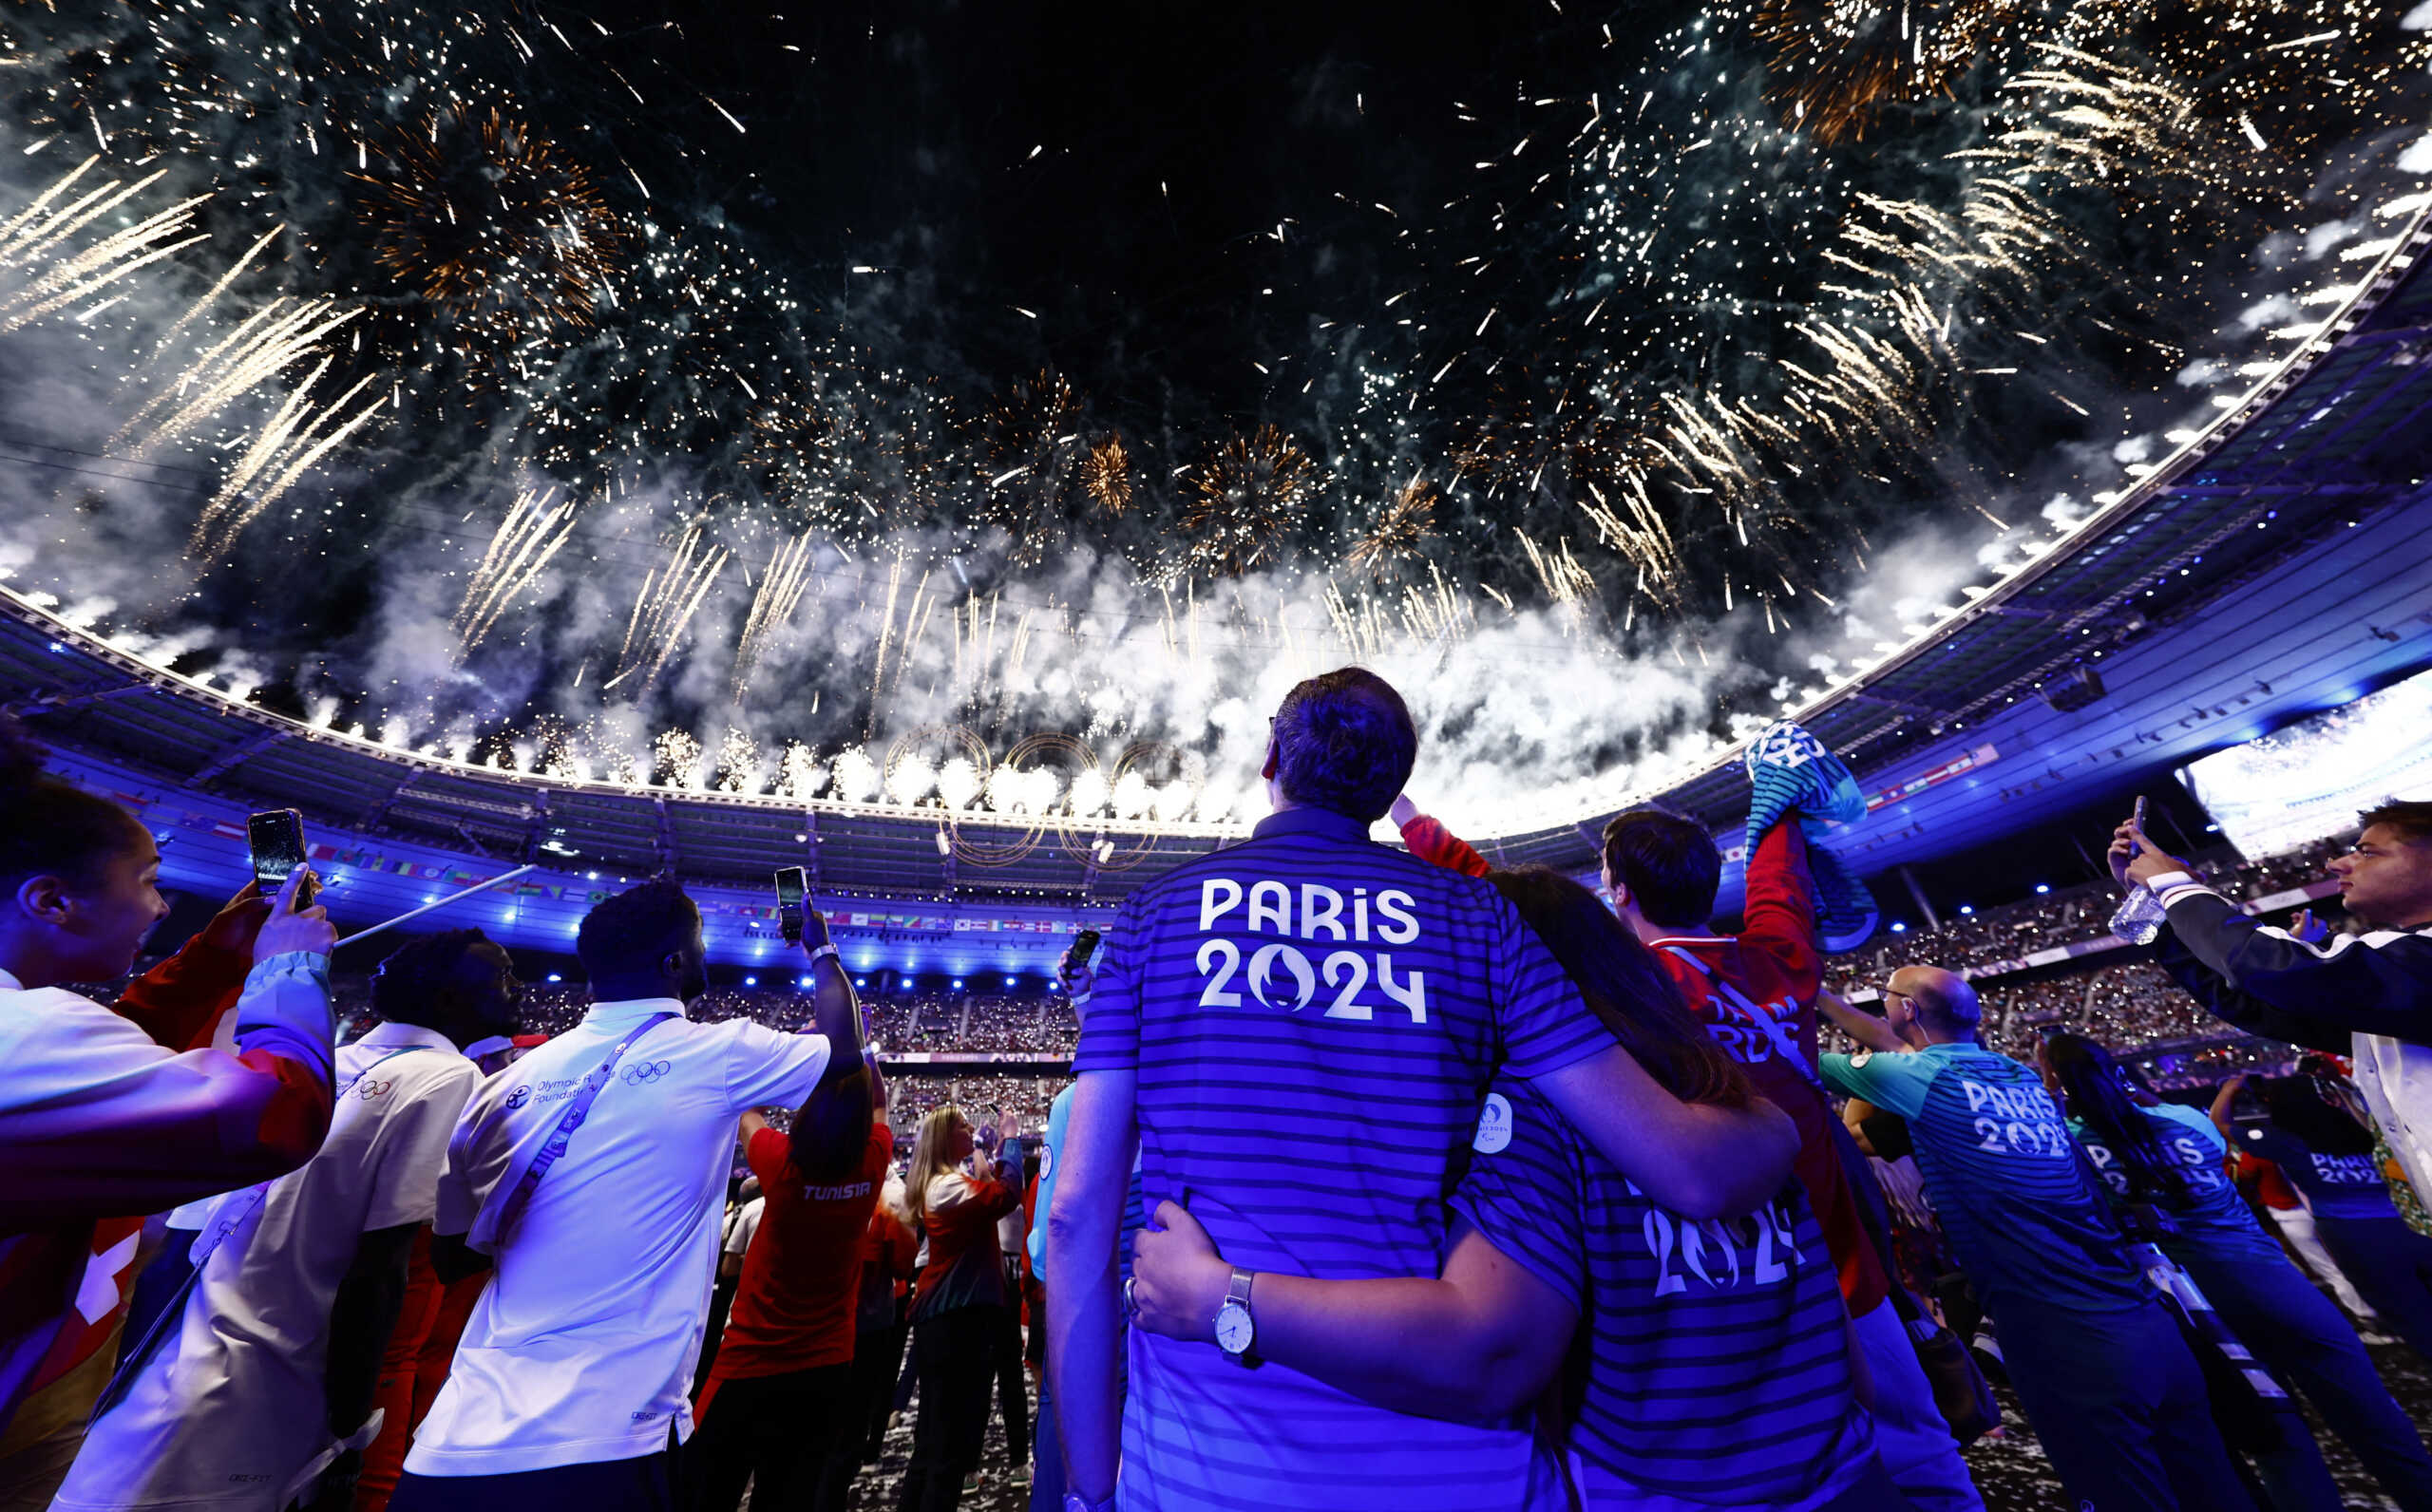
[1669, 864]
[411, 979]
[629, 932]
[2412, 820]
[1345, 742]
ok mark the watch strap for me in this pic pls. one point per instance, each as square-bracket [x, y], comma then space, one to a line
[1238, 1290]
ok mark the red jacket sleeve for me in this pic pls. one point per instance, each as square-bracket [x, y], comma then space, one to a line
[180, 1001]
[1779, 923]
[1433, 844]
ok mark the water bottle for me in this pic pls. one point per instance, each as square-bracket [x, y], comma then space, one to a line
[2140, 916]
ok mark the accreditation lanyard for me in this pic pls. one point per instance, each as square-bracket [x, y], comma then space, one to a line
[554, 1146]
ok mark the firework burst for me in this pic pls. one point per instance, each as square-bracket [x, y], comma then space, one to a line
[1107, 475]
[1837, 62]
[1401, 532]
[1247, 497]
[490, 224]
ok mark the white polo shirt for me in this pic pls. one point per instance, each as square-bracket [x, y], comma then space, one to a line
[230, 1408]
[581, 1348]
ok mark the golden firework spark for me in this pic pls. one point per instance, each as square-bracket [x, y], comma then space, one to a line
[492, 222]
[1107, 474]
[1835, 63]
[1248, 495]
[1406, 527]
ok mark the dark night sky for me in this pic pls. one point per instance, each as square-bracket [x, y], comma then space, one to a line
[1175, 139]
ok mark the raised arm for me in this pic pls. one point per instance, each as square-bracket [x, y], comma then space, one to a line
[1700, 1160]
[2222, 1101]
[1428, 839]
[835, 1011]
[1084, 1313]
[1857, 1023]
[833, 1124]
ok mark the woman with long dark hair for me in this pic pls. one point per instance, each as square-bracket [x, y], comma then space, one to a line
[2326, 1153]
[1693, 1330]
[2147, 1150]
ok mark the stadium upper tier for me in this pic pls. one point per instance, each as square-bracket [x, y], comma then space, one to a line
[2279, 563]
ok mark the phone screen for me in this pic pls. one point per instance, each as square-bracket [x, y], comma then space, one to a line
[276, 837]
[1085, 949]
[793, 885]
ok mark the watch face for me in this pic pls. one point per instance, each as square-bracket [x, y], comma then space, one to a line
[1233, 1328]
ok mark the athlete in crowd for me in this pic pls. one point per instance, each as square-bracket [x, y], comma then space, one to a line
[255, 1389]
[2368, 996]
[1715, 1359]
[1755, 992]
[1299, 1030]
[591, 1174]
[110, 1113]
[2116, 1397]
[2171, 1156]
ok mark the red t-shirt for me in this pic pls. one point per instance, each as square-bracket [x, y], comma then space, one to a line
[793, 1308]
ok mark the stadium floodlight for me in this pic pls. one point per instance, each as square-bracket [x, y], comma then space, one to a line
[1898, 928]
[1965, 908]
[751, 981]
[2043, 887]
[555, 977]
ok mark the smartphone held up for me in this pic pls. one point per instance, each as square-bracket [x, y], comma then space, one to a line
[277, 838]
[794, 889]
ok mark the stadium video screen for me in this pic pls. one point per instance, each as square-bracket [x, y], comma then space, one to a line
[2309, 780]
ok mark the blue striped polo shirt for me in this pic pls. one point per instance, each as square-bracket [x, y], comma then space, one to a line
[2004, 1175]
[1716, 1367]
[1313, 1019]
[2218, 1223]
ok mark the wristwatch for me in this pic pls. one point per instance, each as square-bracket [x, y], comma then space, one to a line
[1076, 1501]
[1236, 1331]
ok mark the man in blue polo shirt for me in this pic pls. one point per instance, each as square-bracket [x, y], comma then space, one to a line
[1298, 1031]
[2115, 1396]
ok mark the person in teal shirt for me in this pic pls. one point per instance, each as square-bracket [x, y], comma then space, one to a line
[2112, 1392]
[2172, 1156]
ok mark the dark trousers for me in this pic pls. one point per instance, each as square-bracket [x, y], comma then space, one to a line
[878, 1354]
[642, 1484]
[2308, 1345]
[2118, 1404]
[1013, 1392]
[955, 1354]
[777, 1434]
[2390, 1266]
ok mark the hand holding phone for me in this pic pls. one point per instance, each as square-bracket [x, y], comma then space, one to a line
[293, 924]
[1076, 971]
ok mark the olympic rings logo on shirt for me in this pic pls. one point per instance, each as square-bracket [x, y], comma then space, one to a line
[372, 1089]
[646, 1072]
